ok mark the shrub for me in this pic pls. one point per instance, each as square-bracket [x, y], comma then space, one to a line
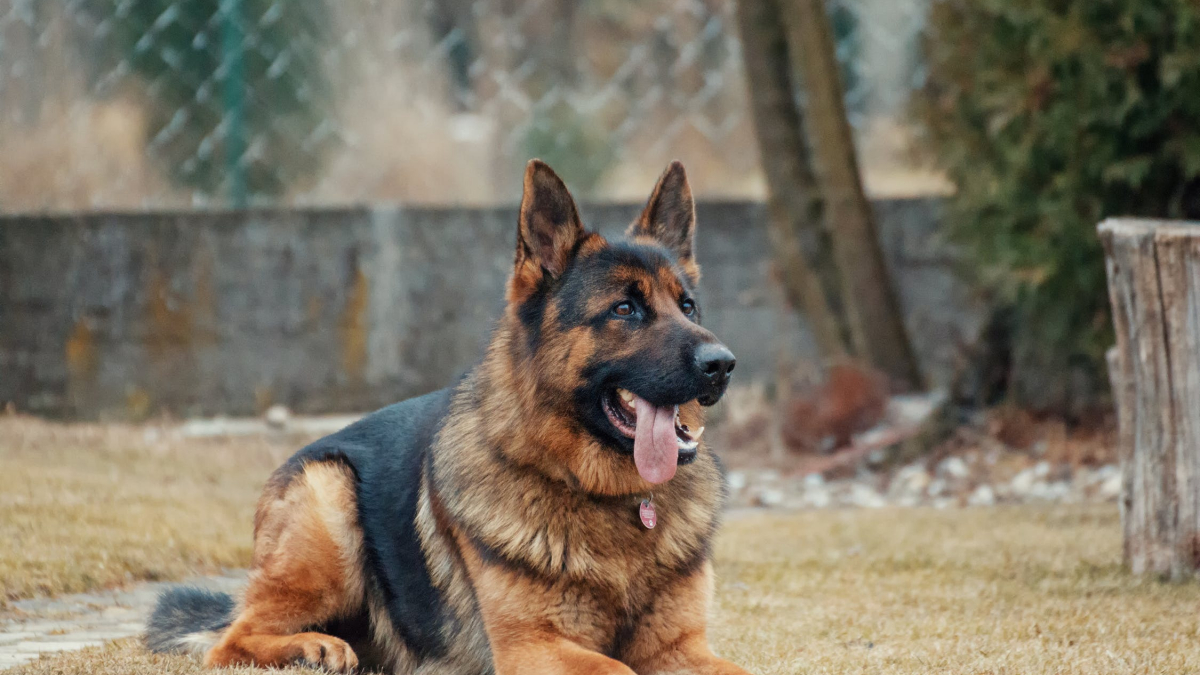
[182, 50]
[1048, 116]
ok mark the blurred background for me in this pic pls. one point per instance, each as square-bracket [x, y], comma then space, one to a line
[229, 227]
[141, 104]
[227, 207]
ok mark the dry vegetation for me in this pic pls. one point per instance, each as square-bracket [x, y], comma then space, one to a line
[1004, 591]
[400, 138]
[89, 506]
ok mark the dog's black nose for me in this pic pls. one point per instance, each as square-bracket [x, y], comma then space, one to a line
[715, 361]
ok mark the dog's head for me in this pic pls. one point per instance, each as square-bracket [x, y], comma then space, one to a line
[608, 333]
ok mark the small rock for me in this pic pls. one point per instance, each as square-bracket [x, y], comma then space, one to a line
[865, 496]
[1041, 470]
[982, 496]
[912, 480]
[737, 480]
[818, 498]
[278, 415]
[1022, 483]
[1049, 492]
[1110, 489]
[769, 497]
[954, 467]
[936, 488]
[814, 480]
[768, 475]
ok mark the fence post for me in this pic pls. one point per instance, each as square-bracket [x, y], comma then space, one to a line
[1154, 286]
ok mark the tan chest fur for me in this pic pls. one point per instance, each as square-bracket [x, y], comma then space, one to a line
[584, 563]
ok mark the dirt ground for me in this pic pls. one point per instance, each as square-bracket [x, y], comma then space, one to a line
[1004, 590]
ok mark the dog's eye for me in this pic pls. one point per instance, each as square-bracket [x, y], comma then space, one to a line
[688, 307]
[623, 308]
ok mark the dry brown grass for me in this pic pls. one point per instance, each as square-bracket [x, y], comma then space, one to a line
[128, 657]
[91, 506]
[1000, 591]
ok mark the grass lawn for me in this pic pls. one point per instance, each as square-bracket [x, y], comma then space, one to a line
[93, 506]
[1002, 590]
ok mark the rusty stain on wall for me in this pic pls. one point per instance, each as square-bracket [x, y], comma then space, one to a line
[264, 397]
[169, 321]
[354, 328]
[420, 316]
[80, 351]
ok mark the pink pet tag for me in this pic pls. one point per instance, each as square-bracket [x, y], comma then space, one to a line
[646, 511]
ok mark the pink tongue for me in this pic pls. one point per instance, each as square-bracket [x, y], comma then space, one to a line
[655, 450]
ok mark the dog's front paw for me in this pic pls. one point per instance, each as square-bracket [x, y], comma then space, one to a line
[325, 651]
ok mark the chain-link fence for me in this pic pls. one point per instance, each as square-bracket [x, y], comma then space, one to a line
[130, 104]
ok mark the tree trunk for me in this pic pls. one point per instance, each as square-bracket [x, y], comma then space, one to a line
[794, 199]
[872, 309]
[1154, 286]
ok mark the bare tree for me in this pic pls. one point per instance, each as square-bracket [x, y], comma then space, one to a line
[794, 200]
[867, 297]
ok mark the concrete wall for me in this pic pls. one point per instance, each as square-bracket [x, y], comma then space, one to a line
[125, 315]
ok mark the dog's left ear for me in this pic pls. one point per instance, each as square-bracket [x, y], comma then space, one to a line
[670, 215]
[548, 230]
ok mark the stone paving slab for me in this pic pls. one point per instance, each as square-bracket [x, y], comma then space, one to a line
[30, 628]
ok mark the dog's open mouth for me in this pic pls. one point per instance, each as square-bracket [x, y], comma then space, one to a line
[660, 441]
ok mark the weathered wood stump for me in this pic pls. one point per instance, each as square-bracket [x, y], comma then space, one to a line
[1154, 285]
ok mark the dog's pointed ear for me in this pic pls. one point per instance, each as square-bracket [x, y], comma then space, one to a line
[548, 227]
[670, 215]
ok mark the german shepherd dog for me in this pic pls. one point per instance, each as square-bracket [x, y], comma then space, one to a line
[552, 513]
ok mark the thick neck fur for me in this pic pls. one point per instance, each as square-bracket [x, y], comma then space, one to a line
[534, 487]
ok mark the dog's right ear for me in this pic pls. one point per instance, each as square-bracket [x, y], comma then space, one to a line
[548, 230]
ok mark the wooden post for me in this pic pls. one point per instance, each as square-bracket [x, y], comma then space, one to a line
[1154, 285]
[1123, 399]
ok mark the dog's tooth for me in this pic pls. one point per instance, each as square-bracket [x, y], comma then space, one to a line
[625, 395]
[696, 434]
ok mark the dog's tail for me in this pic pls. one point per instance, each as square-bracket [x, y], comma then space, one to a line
[188, 620]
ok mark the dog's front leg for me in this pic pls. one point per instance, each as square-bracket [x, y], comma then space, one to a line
[672, 638]
[537, 626]
[550, 655]
[691, 657]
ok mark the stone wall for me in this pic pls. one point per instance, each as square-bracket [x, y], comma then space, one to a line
[110, 315]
